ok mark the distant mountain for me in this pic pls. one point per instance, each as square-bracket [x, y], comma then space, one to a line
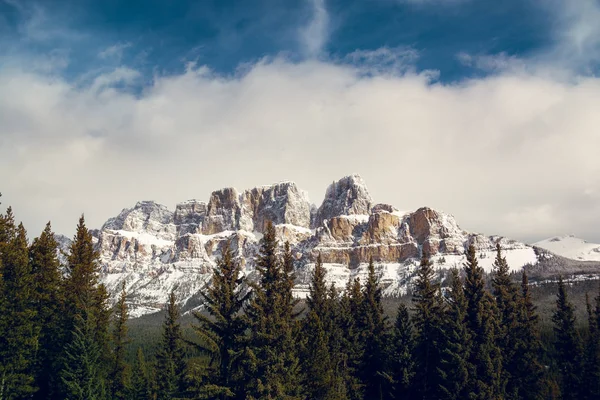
[154, 250]
[571, 247]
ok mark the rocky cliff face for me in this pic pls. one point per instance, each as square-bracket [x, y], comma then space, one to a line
[155, 250]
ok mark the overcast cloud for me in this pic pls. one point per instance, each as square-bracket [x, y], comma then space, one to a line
[515, 153]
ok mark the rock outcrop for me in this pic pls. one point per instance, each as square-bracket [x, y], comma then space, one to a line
[348, 196]
[155, 250]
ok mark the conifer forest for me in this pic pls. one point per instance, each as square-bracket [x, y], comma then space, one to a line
[472, 336]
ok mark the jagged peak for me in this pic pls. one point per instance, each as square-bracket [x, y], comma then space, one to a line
[346, 196]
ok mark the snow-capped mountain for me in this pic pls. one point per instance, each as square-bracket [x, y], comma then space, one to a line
[155, 250]
[571, 247]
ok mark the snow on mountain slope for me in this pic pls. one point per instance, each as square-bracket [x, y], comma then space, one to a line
[571, 247]
[155, 250]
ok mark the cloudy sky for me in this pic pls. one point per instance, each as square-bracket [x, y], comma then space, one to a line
[486, 110]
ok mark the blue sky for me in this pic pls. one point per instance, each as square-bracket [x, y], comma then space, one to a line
[485, 110]
[159, 37]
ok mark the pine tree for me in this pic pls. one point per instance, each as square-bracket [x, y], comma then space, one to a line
[485, 369]
[403, 365]
[120, 374]
[170, 361]
[568, 344]
[221, 333]
[49, 303]
[591, 361]
[506, 293]
[348, 320]
[317, 361]
[82, 283]
[20, 337]
[83, 373]
[271, 361]
[141, 388]
[529, 372]
[82, 269]
[374, 370]
[454, 369]
[428, 309]
[338, 352]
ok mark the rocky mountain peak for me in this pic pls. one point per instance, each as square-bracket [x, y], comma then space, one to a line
[426, 222]
[145, 216]
[155, 250]
[222, 212]
[281, 203]
[347, 196]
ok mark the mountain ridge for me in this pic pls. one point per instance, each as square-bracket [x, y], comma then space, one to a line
[154, 250]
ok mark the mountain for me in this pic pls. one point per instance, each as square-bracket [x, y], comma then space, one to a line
[571, 247]
[154, 249]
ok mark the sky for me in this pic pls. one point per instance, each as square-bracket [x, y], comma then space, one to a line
[488, 111]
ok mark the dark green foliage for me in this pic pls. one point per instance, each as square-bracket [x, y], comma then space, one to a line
[271, 361]
[568, 345]
[375, 337]
[485, 359]
[428, 310]
[506, 294]
[82, 291]
[49, 303]
[528, 373]
[120, 374]
[82, 269]
[141, 388]
[321, 351]
[170, 360]
[402, 368]
[349, 317]
[221, 334]
[342, 373]
[590, 387]
[19, 339]
[83, 374]
[454, 368]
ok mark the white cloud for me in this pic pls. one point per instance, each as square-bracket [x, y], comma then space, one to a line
[574, 44]
[314, 35]
[487, 150]
[384, 60]
[114, 52]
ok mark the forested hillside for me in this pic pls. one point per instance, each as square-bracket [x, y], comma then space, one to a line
[466, 335]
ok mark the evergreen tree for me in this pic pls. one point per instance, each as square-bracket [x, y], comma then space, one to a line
[83, 373]
[49, 303]
[19, 341]
[82, 283]
[287, 281]
[529, 372]
[403, 366]
[141, 388]
[221, 333]
[348, 321]
[120, 374]
[454, 368]
[506, 294]
[591, 361]
[338, 352]
[568, 345]
[82, 270]
[374, 370]
[485, 359]
[317, 329]
[428, 309]
[271, 360]
[170, 361]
